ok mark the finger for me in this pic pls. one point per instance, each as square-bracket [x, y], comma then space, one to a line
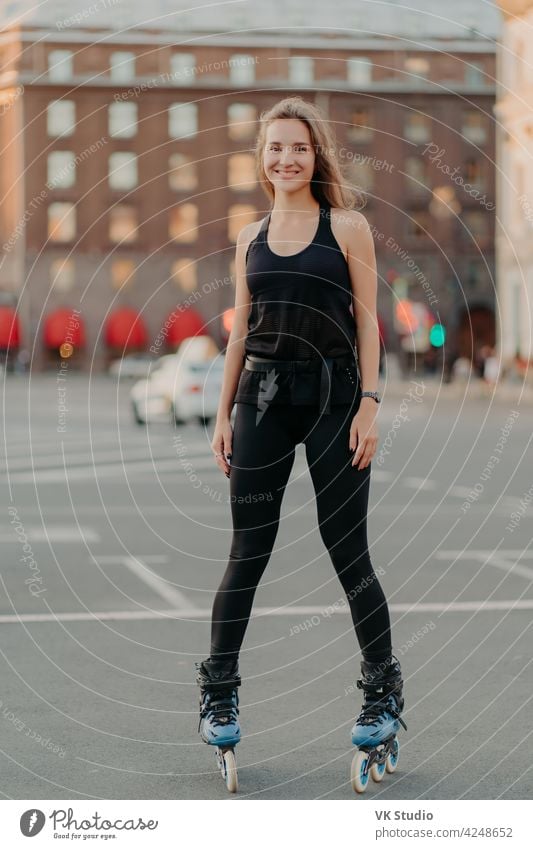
[223, 464]
[367, 456]
[358, 454]
[365, 460]
[224, 467]
[360, 450]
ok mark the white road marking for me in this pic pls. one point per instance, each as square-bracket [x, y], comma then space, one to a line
[419, 483]
[483, 553]
[92, 471]
[200, 613]
[380, 475]
[43, 453]
[155, 466]
[52, 533]
[159, 585]
[503, 558]
[119, 558]
[460, 491]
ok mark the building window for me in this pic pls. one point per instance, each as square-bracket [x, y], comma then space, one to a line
[474, 73]
[242, 118]
[60, 118]
[417, 181]
[182, 68]
[61, 222]
[239, 215]
[241, 172]
[417, 128]
[301, 70]
[182, 173]
[475, 225]
[122, 66]
[241, 68]
[61, 169]
[359, 70]
[183, 223]
[360, 128]
[122, 273]
[122, 120]
[60, 68]
[473, 174]
[184, 274]
[62, 274]
[476, 274]
[182, 120]
[123, 223]
[417, 225]
[123, 171]
[362, 174]
[474, 126]
[415, 68]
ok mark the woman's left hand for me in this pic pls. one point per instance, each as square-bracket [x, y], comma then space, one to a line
[364, 433]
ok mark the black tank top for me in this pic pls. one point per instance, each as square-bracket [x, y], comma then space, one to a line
[301, 309]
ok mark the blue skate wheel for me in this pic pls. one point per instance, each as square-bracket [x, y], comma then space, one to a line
[392, 758]
[359, 772]
[377, 771]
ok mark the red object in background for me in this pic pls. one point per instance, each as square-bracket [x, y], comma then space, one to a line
[125, 329]
[61, 326]
[9, 328]
[227, 321]
[184, 324]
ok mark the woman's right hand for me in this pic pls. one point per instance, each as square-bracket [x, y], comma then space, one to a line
[221, 444]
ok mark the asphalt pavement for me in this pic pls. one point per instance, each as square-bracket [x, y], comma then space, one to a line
[115, 538]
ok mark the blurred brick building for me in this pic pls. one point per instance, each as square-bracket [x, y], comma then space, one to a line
[126, 162]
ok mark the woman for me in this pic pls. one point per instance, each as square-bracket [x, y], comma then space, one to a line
[305, 290]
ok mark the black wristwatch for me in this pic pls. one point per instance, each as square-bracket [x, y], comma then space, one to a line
[375, 395]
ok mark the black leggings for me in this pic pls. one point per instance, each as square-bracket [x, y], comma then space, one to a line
[262, 459]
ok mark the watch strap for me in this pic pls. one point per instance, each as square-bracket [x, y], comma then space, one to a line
[374, 395]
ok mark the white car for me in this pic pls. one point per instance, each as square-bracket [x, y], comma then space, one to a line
[132, 366]
[196, 390]
[151, 397]
[181, 387]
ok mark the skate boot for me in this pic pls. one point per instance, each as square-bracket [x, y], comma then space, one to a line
[374, 732]
[219, 724]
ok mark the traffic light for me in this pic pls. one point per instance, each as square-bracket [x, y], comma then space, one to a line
[437, 335]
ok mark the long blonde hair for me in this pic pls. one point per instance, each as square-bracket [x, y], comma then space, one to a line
[329, 184]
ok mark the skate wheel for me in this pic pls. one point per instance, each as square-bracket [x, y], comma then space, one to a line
[230, 771]
[377, 771]
[359, 773]
[392, 758]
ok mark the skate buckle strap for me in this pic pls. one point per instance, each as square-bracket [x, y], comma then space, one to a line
[373, 709]
[223, 710]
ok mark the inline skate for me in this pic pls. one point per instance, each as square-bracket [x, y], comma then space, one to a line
[374, 732]
[219, 724]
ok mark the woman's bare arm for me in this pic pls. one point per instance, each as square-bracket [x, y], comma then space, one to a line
[363, 275]
[235, 348]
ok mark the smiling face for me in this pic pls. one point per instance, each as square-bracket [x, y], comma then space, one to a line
[288, 156]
